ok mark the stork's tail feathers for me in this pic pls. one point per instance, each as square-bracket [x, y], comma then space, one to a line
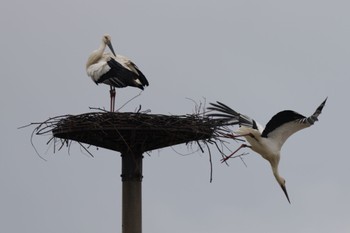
[314, 117]
[229, 115]
[224, 110]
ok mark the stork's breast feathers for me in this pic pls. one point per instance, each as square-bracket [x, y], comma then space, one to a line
[97, 70]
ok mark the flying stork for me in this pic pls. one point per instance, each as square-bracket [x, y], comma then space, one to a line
[266, 141]
[113, 69]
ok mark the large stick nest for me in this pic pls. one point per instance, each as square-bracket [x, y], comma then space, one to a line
[132, 131]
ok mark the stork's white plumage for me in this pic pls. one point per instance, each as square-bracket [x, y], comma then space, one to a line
[266, 141]
[114, 70]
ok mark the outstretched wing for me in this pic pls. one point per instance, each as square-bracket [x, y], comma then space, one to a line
[232, 117]
[285, 123]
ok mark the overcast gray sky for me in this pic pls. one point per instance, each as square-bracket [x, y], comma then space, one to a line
[259, 57]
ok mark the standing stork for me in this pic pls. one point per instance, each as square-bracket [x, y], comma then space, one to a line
[113, 69]
[266, 141]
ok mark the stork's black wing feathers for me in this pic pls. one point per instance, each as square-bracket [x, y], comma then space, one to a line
[141, 76]
[280, 119]
[118, 76]
[287, 122]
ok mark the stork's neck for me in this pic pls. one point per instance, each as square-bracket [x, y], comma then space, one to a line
[276, 173]
[102, 48]
[96, 55]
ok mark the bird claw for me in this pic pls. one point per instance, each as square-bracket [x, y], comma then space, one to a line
[224, 159]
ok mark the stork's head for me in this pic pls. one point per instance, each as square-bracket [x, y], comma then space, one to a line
[282, 183]
[107, 40]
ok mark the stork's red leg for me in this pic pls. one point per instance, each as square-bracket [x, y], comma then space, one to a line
[112, 93]
[237, 136]
[227, 157]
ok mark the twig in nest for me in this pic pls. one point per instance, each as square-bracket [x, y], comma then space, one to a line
[241, 157]
[200, 147]
[82, 146]
[129, 101]
[211, 164]
[183, 154]
[220, 149]
[199, 108]
[36, 151]
[99, 109]
[46, 127]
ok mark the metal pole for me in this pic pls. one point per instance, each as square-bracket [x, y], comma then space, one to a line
[132, 192]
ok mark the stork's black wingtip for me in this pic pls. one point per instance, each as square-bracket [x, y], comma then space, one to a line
[322, 104]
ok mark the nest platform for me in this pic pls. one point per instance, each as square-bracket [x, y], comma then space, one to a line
[132, 134]
[133, 131]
